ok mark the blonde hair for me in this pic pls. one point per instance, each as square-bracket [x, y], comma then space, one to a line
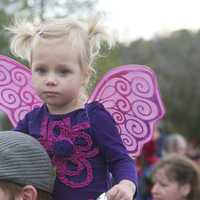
[87, 36]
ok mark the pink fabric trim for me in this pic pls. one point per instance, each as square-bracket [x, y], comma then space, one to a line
[78, 158]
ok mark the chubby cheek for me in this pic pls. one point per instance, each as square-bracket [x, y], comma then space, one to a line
[3, 195]
[36, 84]
[158, 191]
[154, 189]
[71, 92]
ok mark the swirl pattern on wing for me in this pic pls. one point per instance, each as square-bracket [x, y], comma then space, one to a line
[27, 96]
[9, 98]
[19, 77]
[5, 79]
[118, 116]
[145, 109]
[142, 86]
[17, 96]
[130, 94]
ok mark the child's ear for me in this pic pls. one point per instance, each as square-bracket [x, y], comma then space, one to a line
[185, 190]
[28, 192]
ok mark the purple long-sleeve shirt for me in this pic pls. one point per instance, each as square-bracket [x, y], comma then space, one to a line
[85, 147]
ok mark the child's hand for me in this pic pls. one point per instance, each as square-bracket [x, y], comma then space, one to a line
[125, 190]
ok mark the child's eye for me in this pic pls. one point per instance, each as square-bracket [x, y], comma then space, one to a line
[40, 70]
[163, 184]
[63, 72]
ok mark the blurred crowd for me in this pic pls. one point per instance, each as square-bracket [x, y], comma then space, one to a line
[168, 165]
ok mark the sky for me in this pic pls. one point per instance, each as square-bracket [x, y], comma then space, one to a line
[133, 19]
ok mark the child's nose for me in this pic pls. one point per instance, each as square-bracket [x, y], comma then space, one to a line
[51, 80]
[154, 188]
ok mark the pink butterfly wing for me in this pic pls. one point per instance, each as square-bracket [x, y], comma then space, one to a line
[130, 94]
[17, 96]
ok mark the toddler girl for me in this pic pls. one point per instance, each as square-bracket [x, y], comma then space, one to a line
[81, 139]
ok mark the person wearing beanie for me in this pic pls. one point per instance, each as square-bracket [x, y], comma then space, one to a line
[26, 172]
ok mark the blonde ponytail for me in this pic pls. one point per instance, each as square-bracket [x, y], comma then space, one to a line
[22, 37]
[97, 37]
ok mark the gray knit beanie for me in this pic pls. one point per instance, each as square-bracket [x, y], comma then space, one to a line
[24, 161]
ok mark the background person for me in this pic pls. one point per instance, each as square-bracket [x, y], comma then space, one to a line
[176, 177]
[175, 143]
[26, 172]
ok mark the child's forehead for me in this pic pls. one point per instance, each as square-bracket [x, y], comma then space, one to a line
[54, 51]
[40, 41]
[43, 46]
[54, 44]
[66, 42]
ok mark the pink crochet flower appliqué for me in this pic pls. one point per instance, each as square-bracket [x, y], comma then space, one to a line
[73, 168]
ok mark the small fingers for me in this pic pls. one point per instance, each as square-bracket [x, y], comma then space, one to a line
[116, 193]
[112, 193]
